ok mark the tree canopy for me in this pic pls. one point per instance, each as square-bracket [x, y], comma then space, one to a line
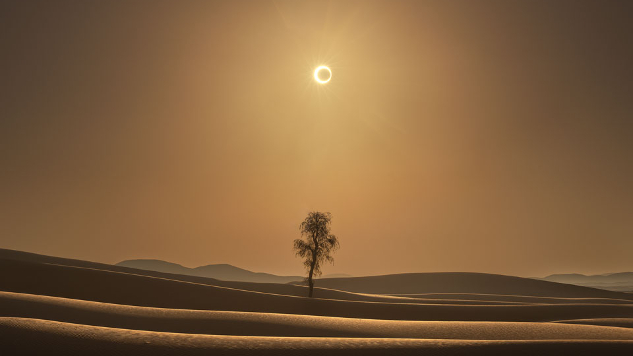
[316, 244]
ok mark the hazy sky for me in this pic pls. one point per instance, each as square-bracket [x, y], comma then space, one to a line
[489, 136]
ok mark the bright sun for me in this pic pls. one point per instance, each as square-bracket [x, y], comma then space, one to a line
[322, 74]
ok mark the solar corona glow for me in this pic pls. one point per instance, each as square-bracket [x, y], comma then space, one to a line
[322, 74]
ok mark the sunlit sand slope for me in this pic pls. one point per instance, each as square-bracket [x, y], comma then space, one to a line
[33, 336]
[267, 324]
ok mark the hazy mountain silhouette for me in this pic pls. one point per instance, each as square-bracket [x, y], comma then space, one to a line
[621, 282]
[224, 272]
[156, 265]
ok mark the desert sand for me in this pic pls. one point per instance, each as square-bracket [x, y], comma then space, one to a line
[59, 306]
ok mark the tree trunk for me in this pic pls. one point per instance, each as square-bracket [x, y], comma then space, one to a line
[310, 280]
[313, 264]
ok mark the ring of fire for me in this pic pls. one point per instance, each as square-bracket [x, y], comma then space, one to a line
[322, 74]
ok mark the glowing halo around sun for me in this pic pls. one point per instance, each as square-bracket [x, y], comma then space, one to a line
[321, 69]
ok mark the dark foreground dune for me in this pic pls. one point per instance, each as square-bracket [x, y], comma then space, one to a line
[51, 305]
[439, 286]
[33, 336]
[132, 289]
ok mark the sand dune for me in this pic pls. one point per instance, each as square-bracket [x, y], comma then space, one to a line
[450, 282]
[123, 288]
[284, 289]
[30, 336]
[268, 324]
[442, 285]
[514, 298]
[59, 306]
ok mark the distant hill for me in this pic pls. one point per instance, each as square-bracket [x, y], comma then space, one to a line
[415, 284]
[223, 272]
[619, 282]
[435, 287]
[156, 265]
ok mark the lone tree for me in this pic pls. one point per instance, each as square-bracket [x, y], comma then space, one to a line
[316, 245]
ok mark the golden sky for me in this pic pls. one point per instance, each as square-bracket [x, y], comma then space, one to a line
[489, 136]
